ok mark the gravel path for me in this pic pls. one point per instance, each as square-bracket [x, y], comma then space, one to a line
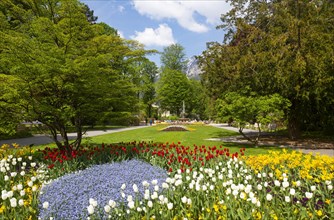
[45, 139]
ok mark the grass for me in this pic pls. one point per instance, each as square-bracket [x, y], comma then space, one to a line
[197, 135]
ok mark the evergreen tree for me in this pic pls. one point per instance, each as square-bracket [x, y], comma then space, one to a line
[282, 47]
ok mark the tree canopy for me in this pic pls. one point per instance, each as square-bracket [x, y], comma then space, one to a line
[65, 70]
[284, 47]
[173, 88]
[173, 57]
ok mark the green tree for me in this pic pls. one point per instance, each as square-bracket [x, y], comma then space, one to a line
[70, 72]
[196, 105]
[282, 47]
[11, 107]
[261, 110]
[173, 57]
[149, 77]
[172, 89]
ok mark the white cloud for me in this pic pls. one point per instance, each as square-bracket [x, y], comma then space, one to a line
[162, 36]
[120, 8]
[184, 11]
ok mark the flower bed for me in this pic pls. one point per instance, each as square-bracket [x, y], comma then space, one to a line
[175, 128]
[68, 196]
[203, 183]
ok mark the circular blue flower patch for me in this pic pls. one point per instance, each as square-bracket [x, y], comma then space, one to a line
[68, 196]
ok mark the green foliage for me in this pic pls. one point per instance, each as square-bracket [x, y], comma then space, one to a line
[282, 47]
[173, 89]
[10, 105]
[174, 58]
[71, 72]
[149, 74]
[252, 109]
[197, 104]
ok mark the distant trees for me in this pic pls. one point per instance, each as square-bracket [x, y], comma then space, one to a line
[149, 74]
[61, 68]
[173, 57]
[174, 88]
[284, 47]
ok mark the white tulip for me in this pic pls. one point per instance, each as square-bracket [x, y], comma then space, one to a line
[184, 199]
[21, 202]
[19, 187]
[287, 198]
[285, 184]
[107, 208]
[165, 185]
[93, 202]
[13, 202]
[90, 209]
[170, 206]
[178, 182]
[154, 195]
[129, 198]
[22, 192]
[131, 204]
[10, 194]
[135, 188]
[145, 183]
[308, 195]
[112, 203]
[45, 205]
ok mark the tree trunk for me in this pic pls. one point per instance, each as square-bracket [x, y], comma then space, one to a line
[255, 142]
[149, 110]
[54, 137]
[63, 134]
[294, 121]
[78, 126]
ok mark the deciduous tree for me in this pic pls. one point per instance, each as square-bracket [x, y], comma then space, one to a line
[70, 71]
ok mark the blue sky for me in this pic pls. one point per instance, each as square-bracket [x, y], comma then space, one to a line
[160, 23]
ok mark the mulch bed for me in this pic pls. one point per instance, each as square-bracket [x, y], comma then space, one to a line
[175, 128]
[305, 143]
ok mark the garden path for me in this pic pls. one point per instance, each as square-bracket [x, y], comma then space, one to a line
[314, 147]
[46, 139]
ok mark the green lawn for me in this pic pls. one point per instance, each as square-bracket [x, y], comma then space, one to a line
[197, 135]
